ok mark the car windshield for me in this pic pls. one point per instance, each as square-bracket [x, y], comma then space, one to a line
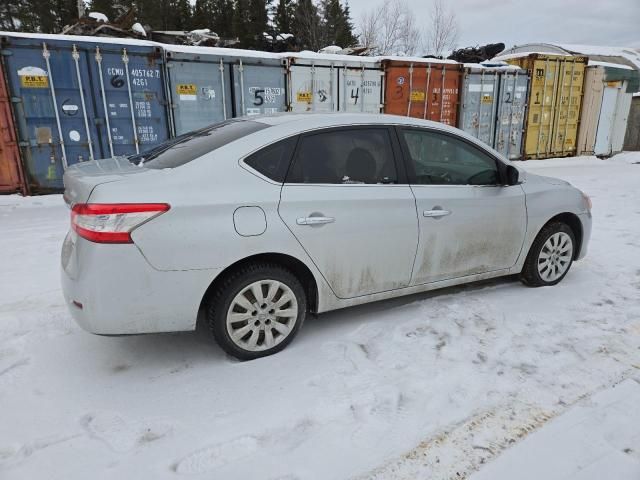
[189, 146]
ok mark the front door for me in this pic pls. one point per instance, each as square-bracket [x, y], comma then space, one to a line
[343, 202]
[469, 222]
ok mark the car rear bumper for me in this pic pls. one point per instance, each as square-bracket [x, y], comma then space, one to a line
[112, 290]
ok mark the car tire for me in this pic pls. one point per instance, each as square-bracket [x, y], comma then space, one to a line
[550, 257]
[248, 327]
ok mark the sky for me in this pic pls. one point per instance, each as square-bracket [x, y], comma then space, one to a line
[514, 22]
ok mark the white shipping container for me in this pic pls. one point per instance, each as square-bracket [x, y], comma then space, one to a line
[330, 83]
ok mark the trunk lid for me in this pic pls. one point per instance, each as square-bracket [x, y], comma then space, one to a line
[80, 179]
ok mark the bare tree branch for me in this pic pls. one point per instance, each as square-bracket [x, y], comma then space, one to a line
[390, 28]
[442, 34]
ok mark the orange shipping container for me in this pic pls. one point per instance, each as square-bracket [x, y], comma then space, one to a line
[423, 89]
[11, 174]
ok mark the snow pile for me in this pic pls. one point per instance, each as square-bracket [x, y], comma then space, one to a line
[100, 17]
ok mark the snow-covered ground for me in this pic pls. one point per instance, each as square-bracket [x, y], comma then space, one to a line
[438, 385]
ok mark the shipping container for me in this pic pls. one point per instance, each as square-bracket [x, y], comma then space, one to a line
[422, 88]
[209, 85]
[12, 177]
[81, 98]
[632, 136]
[492, 106]
[329, 83]
[555, 98]
[608, 90]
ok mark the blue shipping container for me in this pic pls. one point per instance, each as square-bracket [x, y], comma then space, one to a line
[82, 98]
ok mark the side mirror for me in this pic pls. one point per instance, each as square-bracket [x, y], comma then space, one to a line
[513, 175]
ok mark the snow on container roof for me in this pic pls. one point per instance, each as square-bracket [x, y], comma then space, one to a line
[492, 67]
[82, 38]
[309, 55]
[399, 58]
[229, 52]
[509, 56]
[619, 55]
[597, 63]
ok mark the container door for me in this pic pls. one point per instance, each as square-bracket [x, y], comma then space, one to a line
[130, 99]
[605, 122]
[55, 109]
[258, 89]
[11, 174]
[512, 105]
[621, 118]
[632, 137]
[313, 88]
[567, 107]
[479, 104]
[200, 93]
[360, 90]
[591, 103]
[541, 108]
[427, 91]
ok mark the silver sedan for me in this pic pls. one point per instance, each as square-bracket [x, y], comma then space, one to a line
[255, 222]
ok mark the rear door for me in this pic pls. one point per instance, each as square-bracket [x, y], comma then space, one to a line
[469, 222]
[345, 202]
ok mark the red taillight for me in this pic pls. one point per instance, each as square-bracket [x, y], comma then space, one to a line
[112, 222]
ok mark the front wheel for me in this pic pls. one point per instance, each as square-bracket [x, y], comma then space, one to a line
[550, 256]
[257, 311]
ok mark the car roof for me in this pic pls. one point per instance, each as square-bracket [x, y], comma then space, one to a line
[315, 120]
[287, 123]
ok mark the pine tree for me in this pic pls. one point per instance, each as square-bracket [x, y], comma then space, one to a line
[306, 25]
[347, 38]
[180, 15]
[337, 28]
[217, 15]
[284, 16]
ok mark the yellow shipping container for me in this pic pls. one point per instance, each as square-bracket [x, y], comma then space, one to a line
[555, 98]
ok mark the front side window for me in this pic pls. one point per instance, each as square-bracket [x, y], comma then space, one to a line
[439, 159]
[346, 156]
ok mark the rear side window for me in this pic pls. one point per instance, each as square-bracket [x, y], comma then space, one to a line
[273, 161]
[189, 146]
[346, 156]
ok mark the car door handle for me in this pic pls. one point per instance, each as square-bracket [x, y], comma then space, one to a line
[314, 220]
[436, 213]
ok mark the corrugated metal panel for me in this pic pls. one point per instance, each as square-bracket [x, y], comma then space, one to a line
[425, 90]
[623, 105]
[632, 136]
[208, 85]
[605, 122]
[479, 103]
[259, 88]
[554, 105]
[199, 89]
[605, 110]
[12, 177]
[77, 100]
[131, 81]
[493, 104]
[591, 103]
[316, 84]
[512, 109]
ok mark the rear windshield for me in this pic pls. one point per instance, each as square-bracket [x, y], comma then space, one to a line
[189, 146]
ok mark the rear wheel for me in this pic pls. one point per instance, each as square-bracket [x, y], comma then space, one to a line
[550, 256]
[257, 311]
